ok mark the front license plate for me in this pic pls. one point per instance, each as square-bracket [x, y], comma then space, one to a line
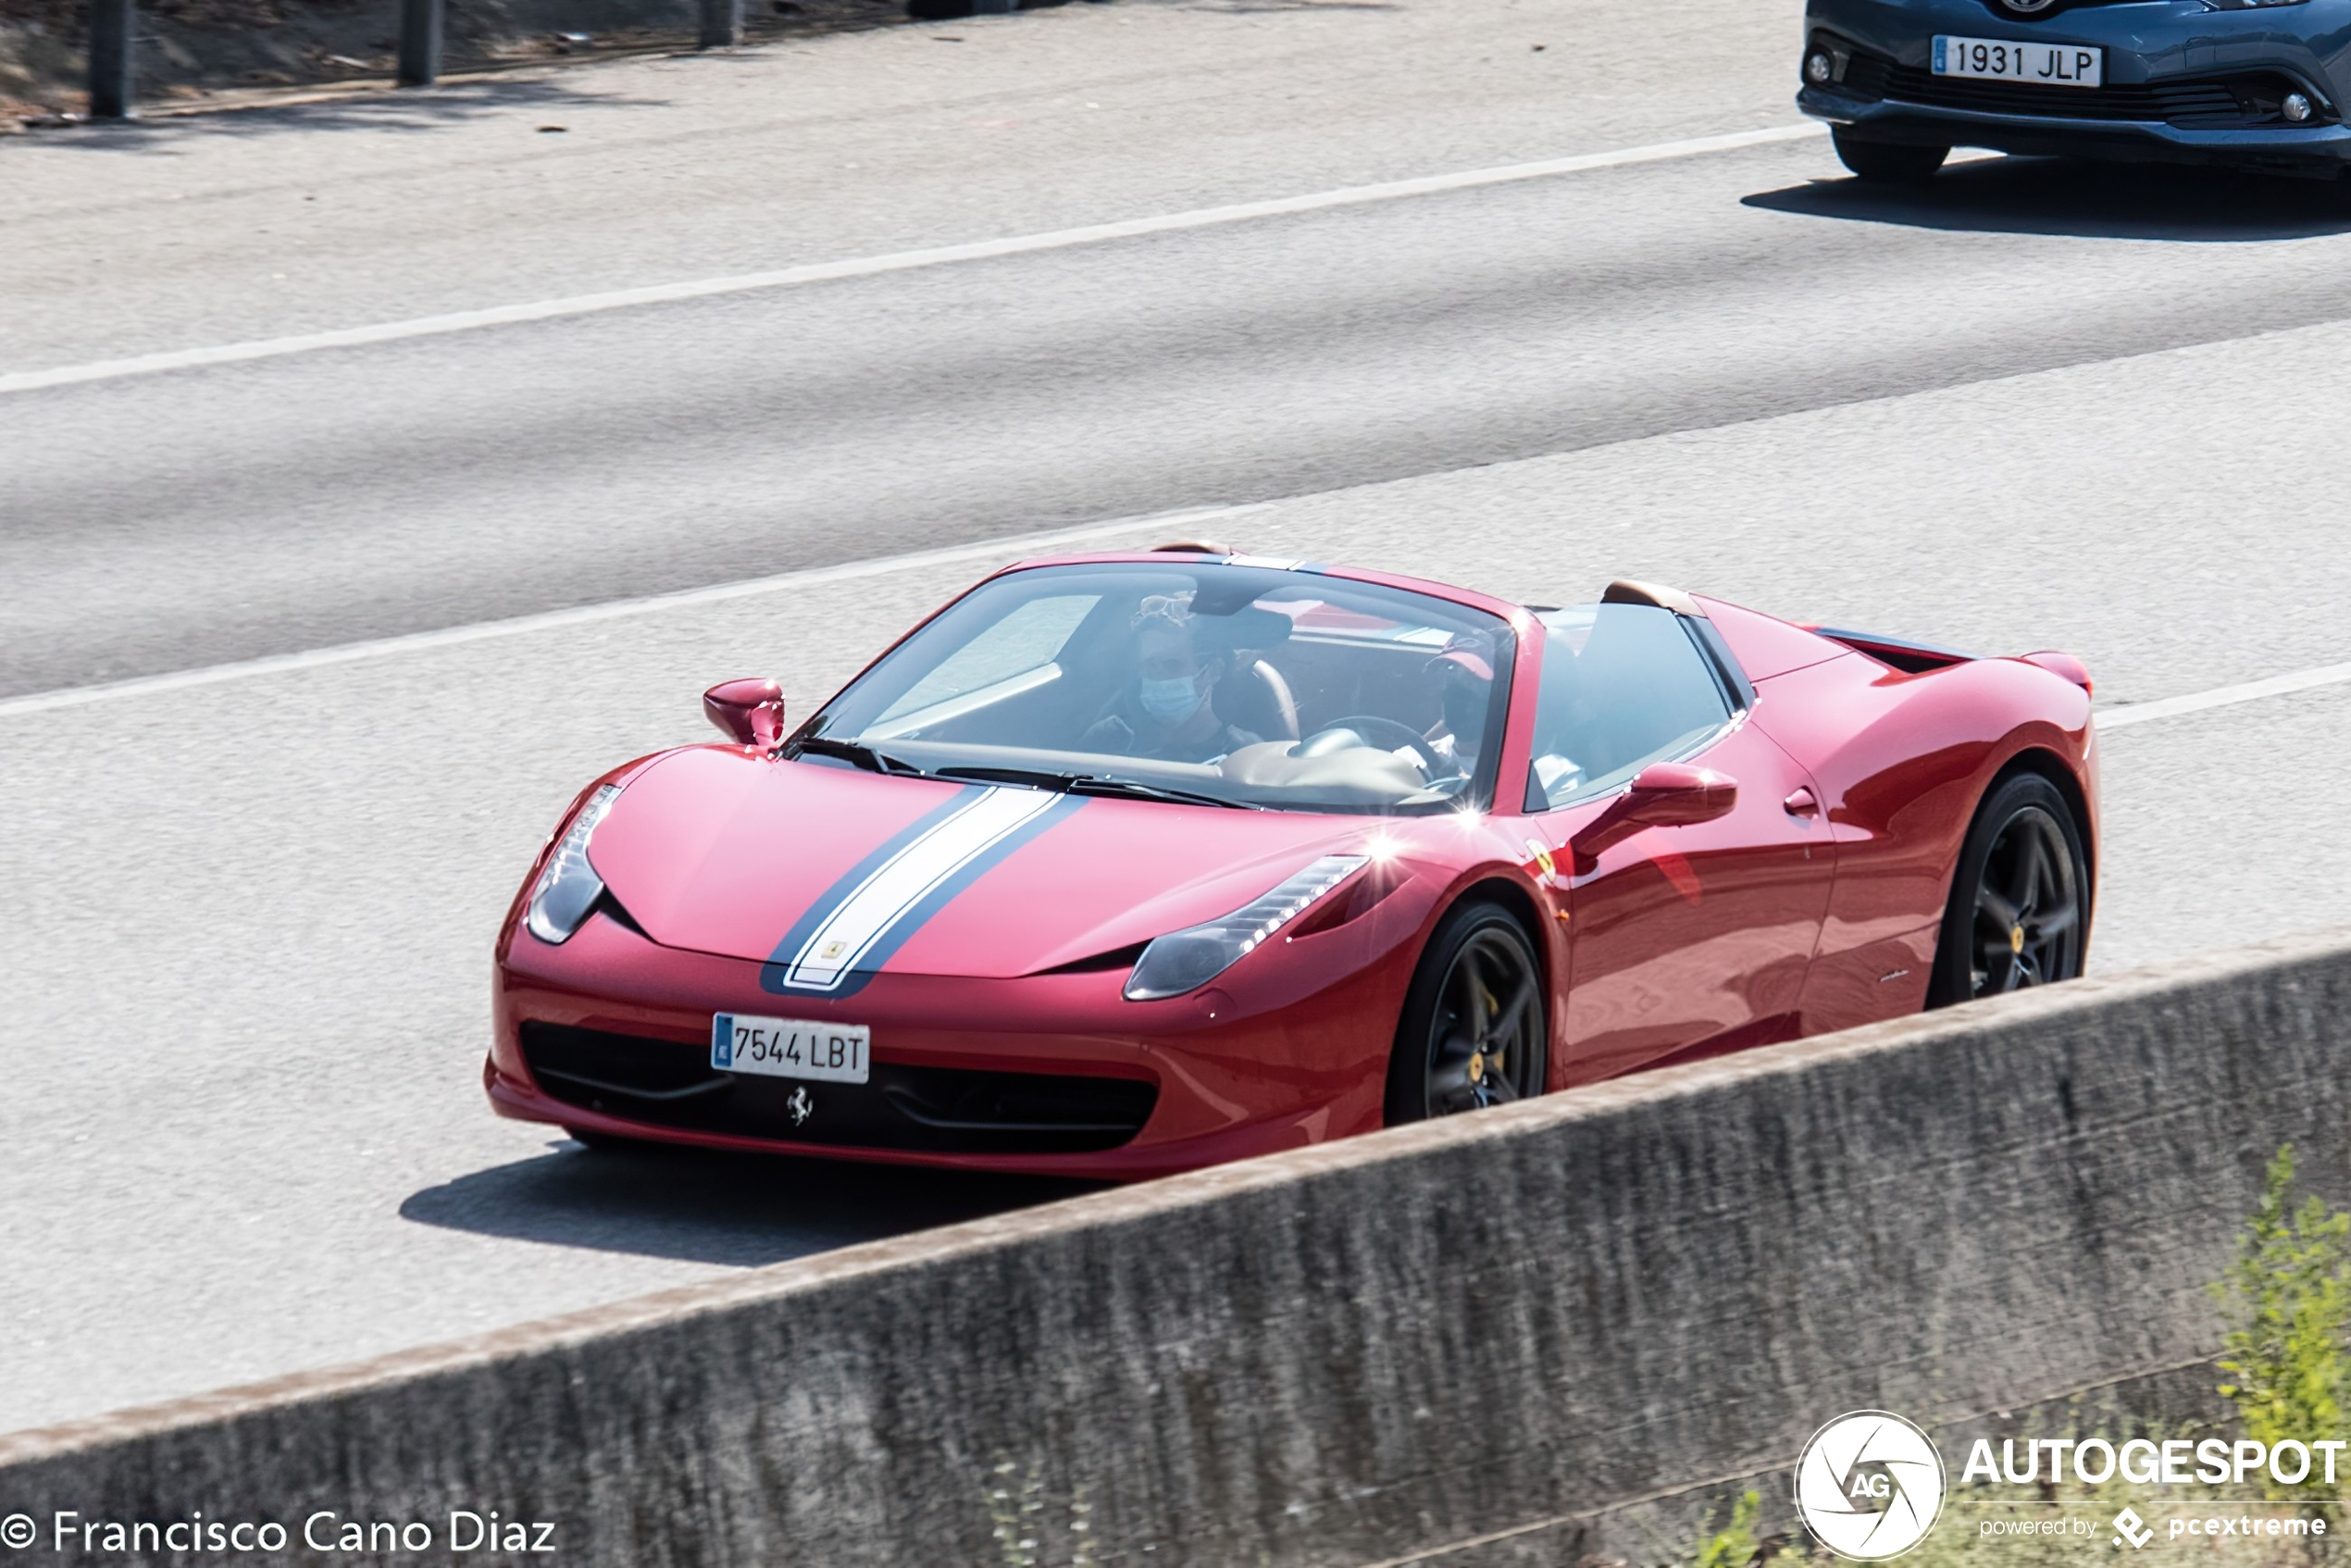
[2004, 59]
[790, 1047]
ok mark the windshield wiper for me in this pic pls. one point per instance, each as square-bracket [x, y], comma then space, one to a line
[1095, 784]
[864, 756]
[1135, 788]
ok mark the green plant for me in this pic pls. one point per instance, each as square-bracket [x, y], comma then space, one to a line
[1020, 1522]
[1734, 1546]
[2288, 1296]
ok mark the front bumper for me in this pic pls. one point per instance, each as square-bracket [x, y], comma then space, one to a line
[2182, 83]
[1046, 1074]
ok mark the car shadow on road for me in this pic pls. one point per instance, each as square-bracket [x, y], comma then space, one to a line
[707, 1207]
[2063, 196]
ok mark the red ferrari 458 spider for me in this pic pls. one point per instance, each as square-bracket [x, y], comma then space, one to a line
[1122, 864]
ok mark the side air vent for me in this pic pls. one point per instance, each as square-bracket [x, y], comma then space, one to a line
[1910, 658]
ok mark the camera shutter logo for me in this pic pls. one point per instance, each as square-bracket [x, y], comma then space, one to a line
[1869, 1486]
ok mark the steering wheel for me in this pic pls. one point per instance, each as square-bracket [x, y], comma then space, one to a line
[1372, 727]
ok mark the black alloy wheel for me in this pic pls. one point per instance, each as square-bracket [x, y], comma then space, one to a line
[2019, 909]
[1476, 1031]
[1893, 163]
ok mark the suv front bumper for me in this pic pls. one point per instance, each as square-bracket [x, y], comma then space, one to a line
[2182, 84]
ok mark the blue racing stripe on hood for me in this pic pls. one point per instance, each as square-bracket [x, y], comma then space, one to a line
[845, 938]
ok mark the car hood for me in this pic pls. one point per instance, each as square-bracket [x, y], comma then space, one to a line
[833, 874]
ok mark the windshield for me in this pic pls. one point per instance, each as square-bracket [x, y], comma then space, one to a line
[1233, 685]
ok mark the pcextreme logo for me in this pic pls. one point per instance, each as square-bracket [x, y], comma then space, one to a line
[1869, 1486]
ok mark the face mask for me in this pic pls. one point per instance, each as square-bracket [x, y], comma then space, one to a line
[1171, 701]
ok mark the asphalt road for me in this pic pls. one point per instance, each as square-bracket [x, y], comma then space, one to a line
[250, 914]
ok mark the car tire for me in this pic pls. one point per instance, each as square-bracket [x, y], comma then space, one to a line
[2019, 915]
[1476, 1028]
[1889, 163]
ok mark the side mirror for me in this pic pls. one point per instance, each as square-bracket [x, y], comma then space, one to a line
[1664, 795]
[752, 711]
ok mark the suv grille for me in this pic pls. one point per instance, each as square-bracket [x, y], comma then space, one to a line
[936, 1110]
[2209, 103]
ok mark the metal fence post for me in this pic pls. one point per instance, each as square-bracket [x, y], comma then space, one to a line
[722, 23]
[419, 43]
[113, 39]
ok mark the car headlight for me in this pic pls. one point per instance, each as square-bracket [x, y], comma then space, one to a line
[1187, 959]
[569, 887]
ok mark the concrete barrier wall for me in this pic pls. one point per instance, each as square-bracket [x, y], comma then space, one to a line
[1403, 1344]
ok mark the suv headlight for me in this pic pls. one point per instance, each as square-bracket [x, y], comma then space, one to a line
[1187, 959]
[569, 887]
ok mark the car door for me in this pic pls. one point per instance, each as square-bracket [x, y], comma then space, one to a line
[1691, 936]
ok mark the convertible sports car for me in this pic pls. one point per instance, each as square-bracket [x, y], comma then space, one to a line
[1121, 864]
[2256, 83]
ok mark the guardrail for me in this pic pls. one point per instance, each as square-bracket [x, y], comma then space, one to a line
[113, 64]
[1495, 1328]
[114, 33]
[114, 29]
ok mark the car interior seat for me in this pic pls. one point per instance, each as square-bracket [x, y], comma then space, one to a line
[1253, 695]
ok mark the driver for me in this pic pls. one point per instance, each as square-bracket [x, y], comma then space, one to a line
[1168, 712]
[1468, 691]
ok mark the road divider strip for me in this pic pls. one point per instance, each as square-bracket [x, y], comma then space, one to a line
[900, 261]
[2222, 696]
[1142, 525]
[617, 609]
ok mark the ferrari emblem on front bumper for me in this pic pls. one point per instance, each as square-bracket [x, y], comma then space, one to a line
[800, 1106]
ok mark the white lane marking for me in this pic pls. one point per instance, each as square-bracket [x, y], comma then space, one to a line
[896, 886]
[902, 261]
[2221, 696]
[1004, 549]
[549, 620]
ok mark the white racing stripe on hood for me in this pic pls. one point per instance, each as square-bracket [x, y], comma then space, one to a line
[902, 882]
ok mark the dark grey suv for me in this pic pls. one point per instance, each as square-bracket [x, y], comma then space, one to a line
[2259, 84]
